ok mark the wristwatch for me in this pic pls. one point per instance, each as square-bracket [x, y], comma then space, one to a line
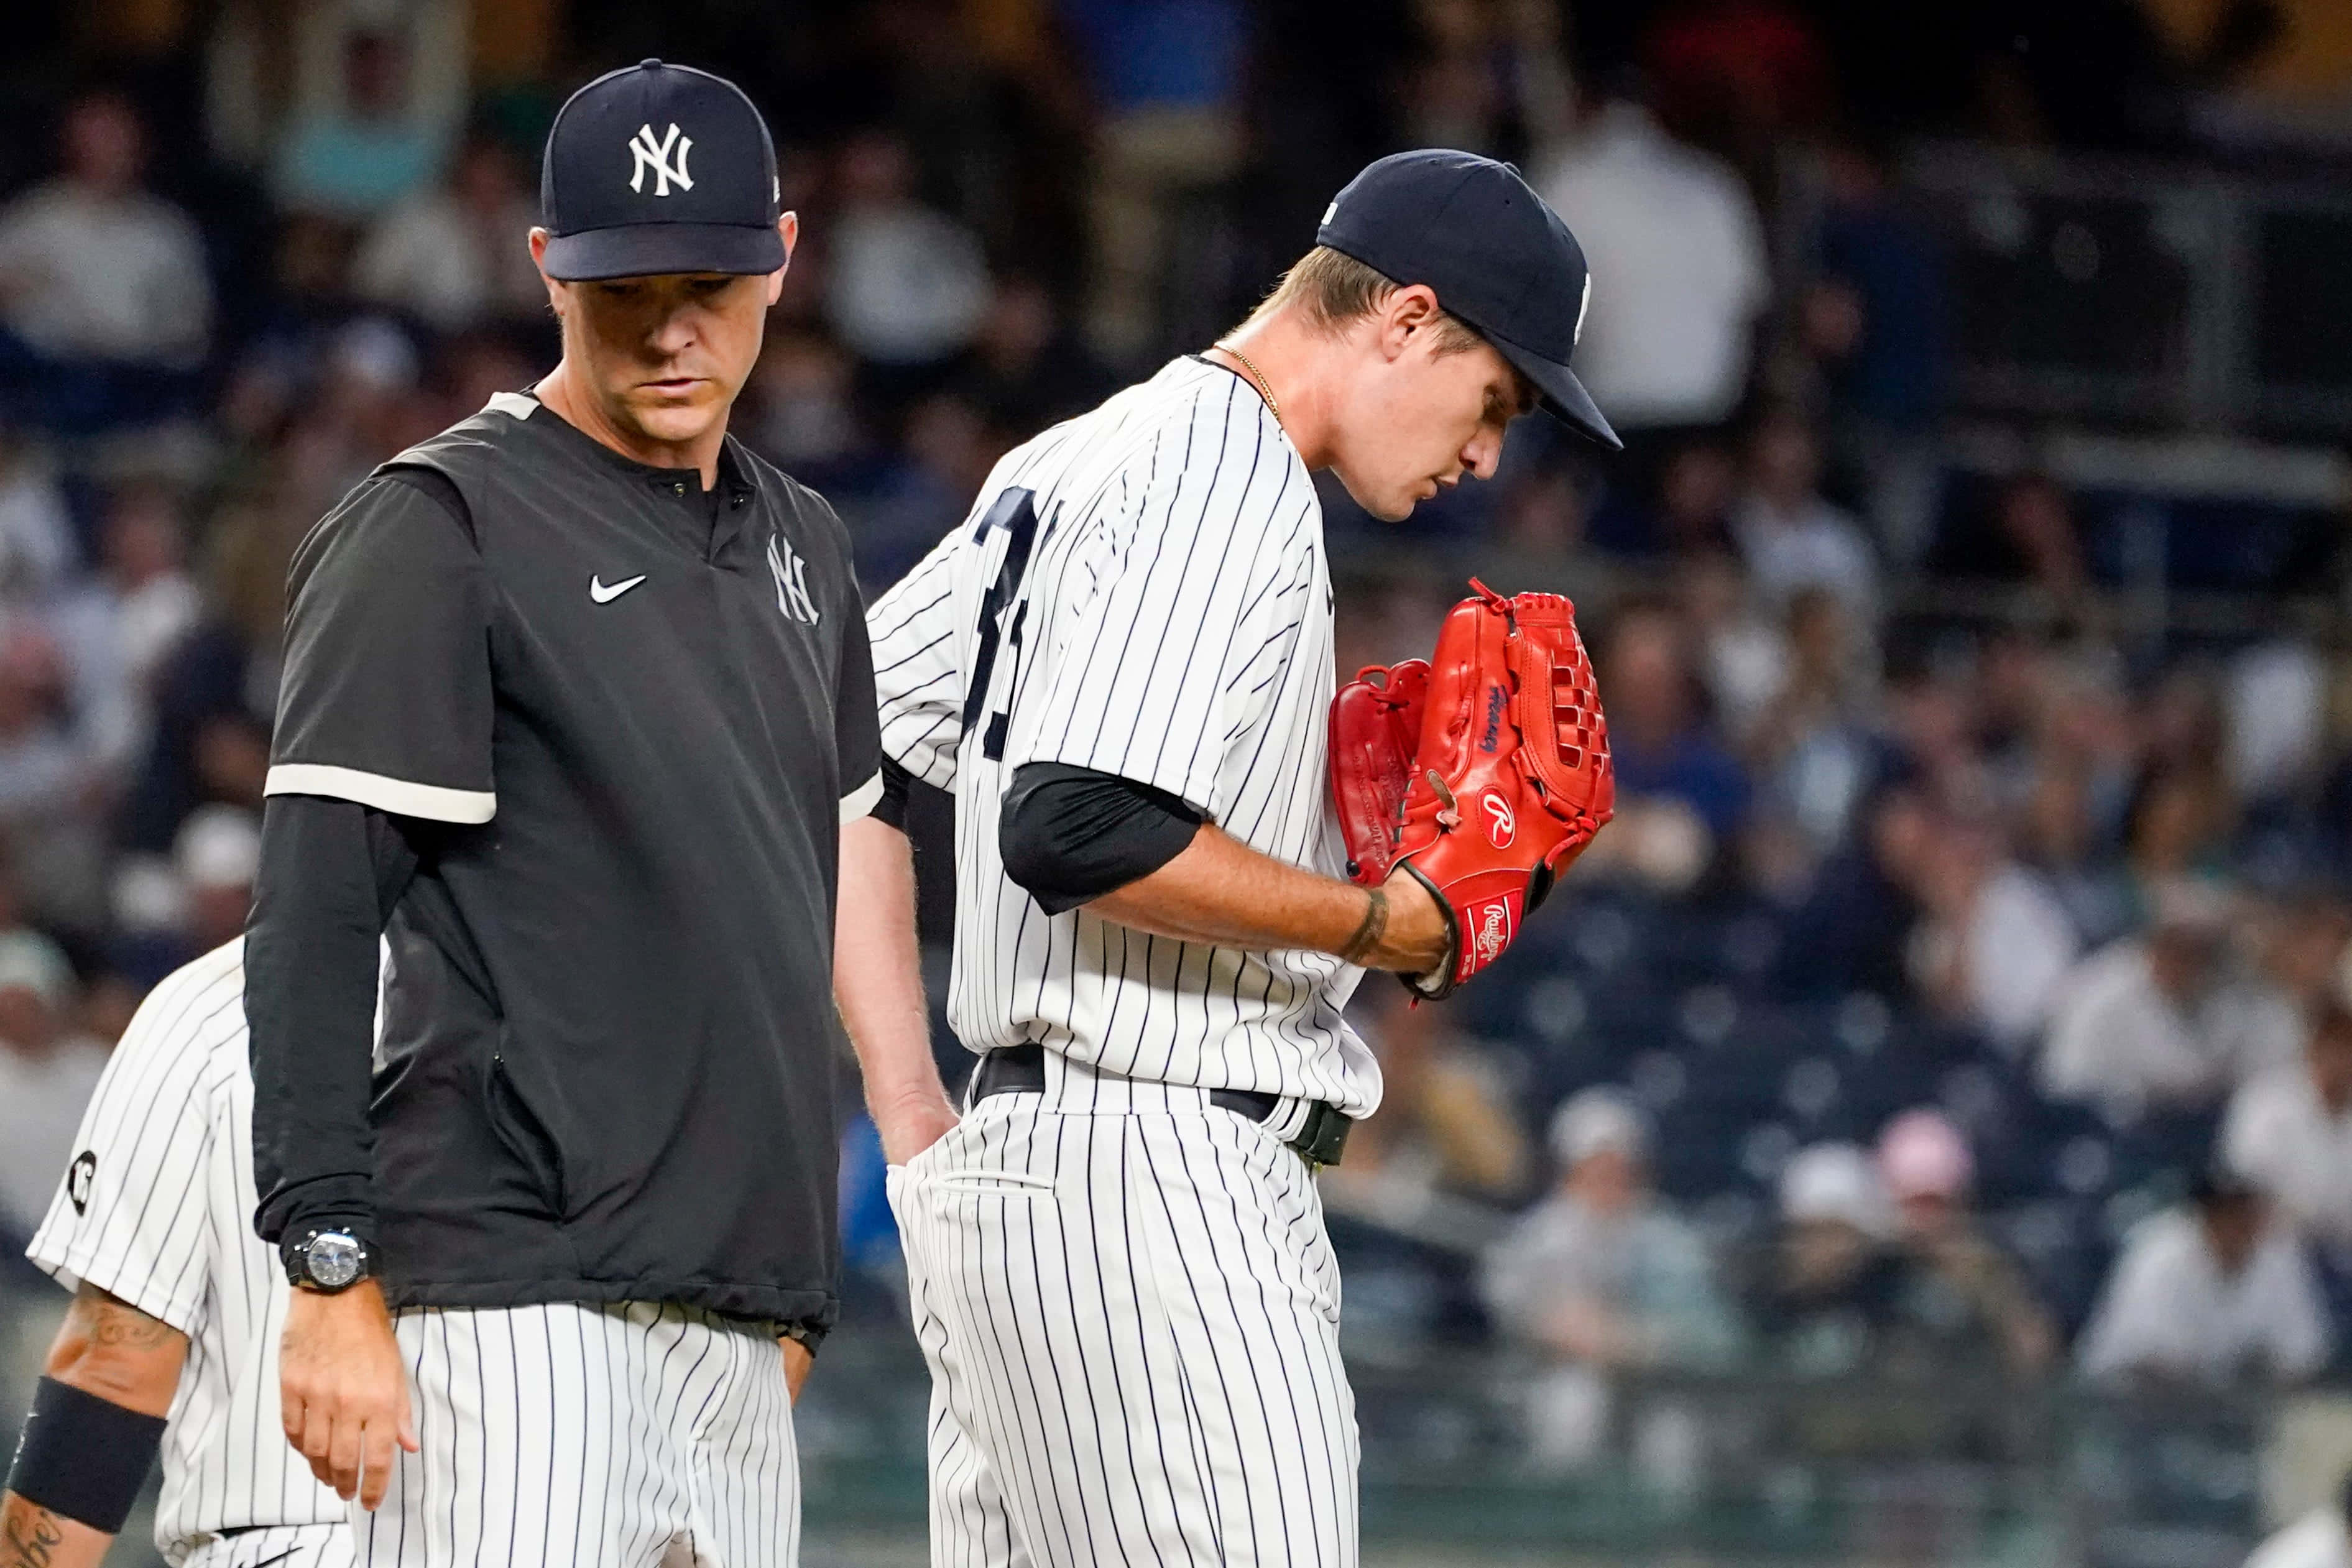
[327, 1260]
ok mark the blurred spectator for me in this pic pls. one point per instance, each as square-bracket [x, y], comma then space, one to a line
[1995, 944]
[217, 855]
[2275, 702]
[1029, 368]
[1850, 930]
[117, 629]
[1678, 266]
[2319, 1540]
[1444, 1124]
[2031, 538]
[47, 773]
[898, 512]
[2132, 1024]
[458, 256]
[1875, 318]
[169, 909]
[2071, 790]
[1167, 75]
[801, 410]
[1959, 1287]
[2214, 1293]
[36, 543]
[102, 284]
[1811, 748]
[1790, 537]
[47, 1073]
[1880, 1268]
[363, 149]
[1743, 656]
[2185, 734]
[1738, 73]
[907, 285]
[1696, 497]
[1602, 1276]
[1826, 1295]
[1682, 796]
[2289, 1131]
[2261, 1018]
[1486, 75]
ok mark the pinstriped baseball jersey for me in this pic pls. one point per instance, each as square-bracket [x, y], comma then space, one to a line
[156, 1209]
[1141, 591]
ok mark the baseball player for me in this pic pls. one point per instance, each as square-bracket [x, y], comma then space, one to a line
[1121, 665]
[577, 699]
[171, 1341]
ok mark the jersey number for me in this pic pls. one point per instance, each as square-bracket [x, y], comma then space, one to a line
[1014, 511]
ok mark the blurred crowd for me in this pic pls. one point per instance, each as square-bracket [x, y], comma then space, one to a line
[2102, 865]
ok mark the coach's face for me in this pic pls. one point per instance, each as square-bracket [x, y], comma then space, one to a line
[1420, 414]
[666, 354]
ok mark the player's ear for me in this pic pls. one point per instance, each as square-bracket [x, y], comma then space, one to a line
[538, 260]
[789, 227]
[1408, 310]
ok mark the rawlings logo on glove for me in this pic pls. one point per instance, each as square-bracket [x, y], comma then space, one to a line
[1504, 717]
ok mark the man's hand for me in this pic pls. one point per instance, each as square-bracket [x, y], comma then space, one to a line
[798, 1358]
[1416, 939]
[877, 983]
[912, 1123]
[343, 1391]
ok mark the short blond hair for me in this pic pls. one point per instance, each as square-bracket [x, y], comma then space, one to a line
[1333, 289]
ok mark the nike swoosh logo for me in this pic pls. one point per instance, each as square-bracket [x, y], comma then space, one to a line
[603, 595]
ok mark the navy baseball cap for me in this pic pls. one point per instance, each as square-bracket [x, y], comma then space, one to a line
[1498, 258]
[659, 168]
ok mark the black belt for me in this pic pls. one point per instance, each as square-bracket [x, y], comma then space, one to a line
[1020, 1069]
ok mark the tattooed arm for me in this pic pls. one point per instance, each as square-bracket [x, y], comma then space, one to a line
[109, 1348]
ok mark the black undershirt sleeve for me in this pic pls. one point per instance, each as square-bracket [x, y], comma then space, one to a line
[331, 871]
[898, 786]
[1069, 835]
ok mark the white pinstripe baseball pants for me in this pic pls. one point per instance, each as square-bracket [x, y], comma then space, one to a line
[1132, 1315]
[627, 1435]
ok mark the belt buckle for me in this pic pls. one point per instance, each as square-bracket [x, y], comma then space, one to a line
[1324, 1136]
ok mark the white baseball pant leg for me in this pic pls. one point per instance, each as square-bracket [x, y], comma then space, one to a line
[629, 1435]
[1131, 1316]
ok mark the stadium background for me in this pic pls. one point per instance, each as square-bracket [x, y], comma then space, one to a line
[1969, 604]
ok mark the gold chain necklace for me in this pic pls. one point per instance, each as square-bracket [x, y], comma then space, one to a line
[1257, 379]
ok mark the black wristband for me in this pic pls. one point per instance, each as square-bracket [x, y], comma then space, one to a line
[83, 1456]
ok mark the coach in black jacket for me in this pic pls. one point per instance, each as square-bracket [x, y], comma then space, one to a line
[577, 706]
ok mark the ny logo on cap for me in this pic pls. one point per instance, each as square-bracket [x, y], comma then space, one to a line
[656, 155]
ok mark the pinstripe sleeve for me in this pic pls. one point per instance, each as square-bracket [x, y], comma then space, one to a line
[918, 680]
[130, 1214]
[1143, 677]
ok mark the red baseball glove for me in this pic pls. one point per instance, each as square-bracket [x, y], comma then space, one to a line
[1486, 770]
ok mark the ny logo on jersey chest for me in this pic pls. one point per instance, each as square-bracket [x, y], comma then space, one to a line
[791, 573]
[648, 153]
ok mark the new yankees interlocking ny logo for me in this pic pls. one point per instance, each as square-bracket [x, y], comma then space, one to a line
[649, 153]
[792, 581]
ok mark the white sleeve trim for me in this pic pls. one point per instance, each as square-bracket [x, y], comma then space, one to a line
[399, 796]
[858, 802]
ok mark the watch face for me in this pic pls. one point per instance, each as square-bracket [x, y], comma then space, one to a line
[333, 1261]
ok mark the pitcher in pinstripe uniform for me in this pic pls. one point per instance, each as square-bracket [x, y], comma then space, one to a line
[177, 1304]
[1121, 665]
